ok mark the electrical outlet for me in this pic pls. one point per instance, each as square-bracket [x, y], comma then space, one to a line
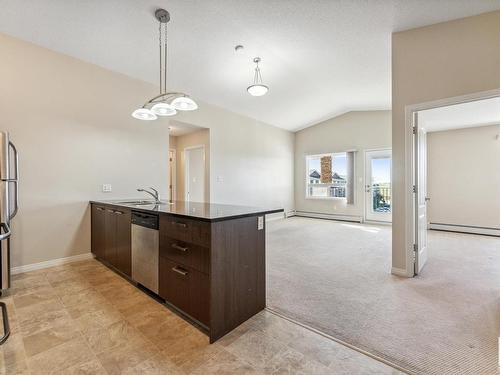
[106, 188]
[260, 223]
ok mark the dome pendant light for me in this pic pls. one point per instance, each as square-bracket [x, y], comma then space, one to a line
[167, 103]
[258, 88]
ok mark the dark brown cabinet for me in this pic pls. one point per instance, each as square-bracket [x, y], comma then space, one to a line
[211, 270]
[111, 237]
[184, 265]
[185, 288]
[98, 236]
[123, 242]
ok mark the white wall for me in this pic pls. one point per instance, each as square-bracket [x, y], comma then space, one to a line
[71, 122]
[463, 179]
[435, 62]
[354, 130]
[197, 138]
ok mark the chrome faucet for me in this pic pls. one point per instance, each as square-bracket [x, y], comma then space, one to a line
[154, 193]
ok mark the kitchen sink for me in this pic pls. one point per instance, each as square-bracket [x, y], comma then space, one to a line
[141, 203]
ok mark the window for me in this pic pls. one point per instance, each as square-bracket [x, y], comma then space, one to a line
[327, 175]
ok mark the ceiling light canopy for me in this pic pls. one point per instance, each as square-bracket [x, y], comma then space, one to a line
[258, 88]
[167, 103]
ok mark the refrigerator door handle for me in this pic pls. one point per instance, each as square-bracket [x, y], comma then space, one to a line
[6, 231]
[15, 181]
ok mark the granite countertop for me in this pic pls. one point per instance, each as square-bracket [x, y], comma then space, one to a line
[203, 211]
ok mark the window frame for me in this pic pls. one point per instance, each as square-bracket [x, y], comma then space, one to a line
[307, 196]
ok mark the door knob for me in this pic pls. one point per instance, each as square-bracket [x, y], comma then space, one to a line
[427, 199]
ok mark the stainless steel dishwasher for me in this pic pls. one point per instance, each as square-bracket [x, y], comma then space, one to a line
[145, 249]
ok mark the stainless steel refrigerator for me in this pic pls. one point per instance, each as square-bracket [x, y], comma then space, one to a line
[9, 204]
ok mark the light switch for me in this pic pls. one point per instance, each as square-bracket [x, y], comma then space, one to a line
[106, 188]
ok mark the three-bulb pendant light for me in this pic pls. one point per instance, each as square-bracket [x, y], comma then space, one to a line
[167, 103]
[258, 88]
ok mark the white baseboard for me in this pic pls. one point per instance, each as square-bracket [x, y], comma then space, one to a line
[375, 222]
[400, 272]
[465, 229]
[50, 263]
[339, 217]
[276, 216]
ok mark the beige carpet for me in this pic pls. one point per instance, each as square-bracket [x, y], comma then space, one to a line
[336, 277]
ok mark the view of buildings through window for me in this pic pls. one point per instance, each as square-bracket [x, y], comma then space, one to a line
[381, 184]
[330, 182]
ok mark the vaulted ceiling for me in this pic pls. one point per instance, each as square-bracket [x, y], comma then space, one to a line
[319, 58]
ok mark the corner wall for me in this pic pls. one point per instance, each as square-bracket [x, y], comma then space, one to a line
[351, 131]
[440, 61]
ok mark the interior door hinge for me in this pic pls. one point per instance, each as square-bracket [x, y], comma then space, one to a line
[415, 188]
[414, 130]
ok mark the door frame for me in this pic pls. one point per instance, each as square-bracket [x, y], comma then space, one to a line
[186, 170]
[173, 172]
[366, 204]
[410, 159]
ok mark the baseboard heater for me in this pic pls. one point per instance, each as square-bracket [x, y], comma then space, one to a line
[465, 229]
[337, 217]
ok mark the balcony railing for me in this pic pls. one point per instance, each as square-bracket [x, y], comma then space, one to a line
[381, 199]
[333, 190]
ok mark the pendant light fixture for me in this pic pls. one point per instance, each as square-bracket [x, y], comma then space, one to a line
[167, 103]
[258, 88]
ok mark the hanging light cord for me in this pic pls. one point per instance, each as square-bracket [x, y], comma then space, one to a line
[257, 77]
[163, 57]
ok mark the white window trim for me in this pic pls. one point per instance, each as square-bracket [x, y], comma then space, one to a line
[307, 196]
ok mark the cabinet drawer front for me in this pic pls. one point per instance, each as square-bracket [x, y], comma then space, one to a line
[199, 297]
[188, 254]
[174, 284]
[187, 230]
[186, 289]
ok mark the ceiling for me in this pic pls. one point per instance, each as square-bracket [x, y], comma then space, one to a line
[459, 116]
[320, 58]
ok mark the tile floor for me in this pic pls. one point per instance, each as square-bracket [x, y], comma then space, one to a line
[82, 318]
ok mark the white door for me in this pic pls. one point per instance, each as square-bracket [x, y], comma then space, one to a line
[195, 174]
[378, 189]
[420, 196]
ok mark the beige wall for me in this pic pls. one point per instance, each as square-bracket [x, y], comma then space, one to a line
[435, 62]
[197, 138]
[464, 176]
[72, 125]
[352, 131]
[251, 163]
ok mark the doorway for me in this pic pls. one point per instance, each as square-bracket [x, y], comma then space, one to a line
[470, 111]
[195, 173]
[378, 172]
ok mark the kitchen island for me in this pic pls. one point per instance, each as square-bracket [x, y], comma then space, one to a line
[210, 259]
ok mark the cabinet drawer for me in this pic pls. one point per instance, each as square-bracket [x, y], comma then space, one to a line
[187, 230]
[174, 284]
[190, 255]
[186, 289]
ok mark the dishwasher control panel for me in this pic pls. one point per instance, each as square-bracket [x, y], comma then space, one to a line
[145, 220]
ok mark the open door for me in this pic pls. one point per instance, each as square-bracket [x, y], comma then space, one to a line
[420, 195]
